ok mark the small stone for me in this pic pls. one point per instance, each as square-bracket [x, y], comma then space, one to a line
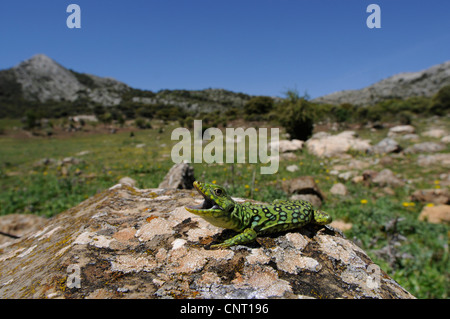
[401, 129]
[292, 168]
[346, 175]
[128, 181]
[340, 224]
[339, 189]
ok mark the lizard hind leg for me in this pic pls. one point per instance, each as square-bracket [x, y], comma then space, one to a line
[321, 218]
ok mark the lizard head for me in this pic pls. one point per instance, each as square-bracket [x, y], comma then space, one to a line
[216, 200]
[217, 207]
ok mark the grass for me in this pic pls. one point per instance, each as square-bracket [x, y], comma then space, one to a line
[418, 251]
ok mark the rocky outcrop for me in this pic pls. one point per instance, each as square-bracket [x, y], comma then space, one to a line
[400, 86]
[207, 100]
[42, 79]
[180, 176]
[141, 243]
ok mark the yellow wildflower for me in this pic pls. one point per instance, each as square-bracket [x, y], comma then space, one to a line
[408, 204]
[364, 201]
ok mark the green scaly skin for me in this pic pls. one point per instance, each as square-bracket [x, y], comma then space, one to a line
[251, 220]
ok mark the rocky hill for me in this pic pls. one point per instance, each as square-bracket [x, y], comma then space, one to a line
[42, 80]
[403, 85]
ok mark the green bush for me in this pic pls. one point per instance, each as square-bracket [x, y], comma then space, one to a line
[258, 105]
[440, 104]
[142, 123]
[31, 120]
[145, 111]
[405, 117]
[344, 112]
[296, 115]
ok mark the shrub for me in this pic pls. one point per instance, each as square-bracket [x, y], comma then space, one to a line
[296, 115]
[344, 112]
[31, 120]
[405, 117]
[258, 105]
[440, 104]
[145, 111]
[142, 123]
[189, 122]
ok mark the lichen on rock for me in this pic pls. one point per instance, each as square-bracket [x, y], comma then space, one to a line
[141, 243]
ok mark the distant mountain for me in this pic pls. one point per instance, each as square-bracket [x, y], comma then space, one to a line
[41, 81]
[400, 86]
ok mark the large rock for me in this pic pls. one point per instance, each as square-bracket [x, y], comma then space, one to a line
[435, 196]
[425, 147]
[136, 243]
[386, 146]
[387, 178]
[286, 145]
[435, 133]
[303, 188]
[339, 189]
[435, 159]
[436, 214]
[325, 145]
[401, 130]
[180, 176]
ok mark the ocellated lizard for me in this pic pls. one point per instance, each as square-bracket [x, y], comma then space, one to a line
[251, 220]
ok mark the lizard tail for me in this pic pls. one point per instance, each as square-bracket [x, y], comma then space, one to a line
[321, 218]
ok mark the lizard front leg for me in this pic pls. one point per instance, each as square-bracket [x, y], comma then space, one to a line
[247, 236]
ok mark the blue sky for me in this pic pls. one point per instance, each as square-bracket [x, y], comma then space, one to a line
[258, 47]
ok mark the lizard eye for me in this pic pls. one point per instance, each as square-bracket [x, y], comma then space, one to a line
[218, 192]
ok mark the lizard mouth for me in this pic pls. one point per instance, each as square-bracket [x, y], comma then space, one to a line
[208, 203]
